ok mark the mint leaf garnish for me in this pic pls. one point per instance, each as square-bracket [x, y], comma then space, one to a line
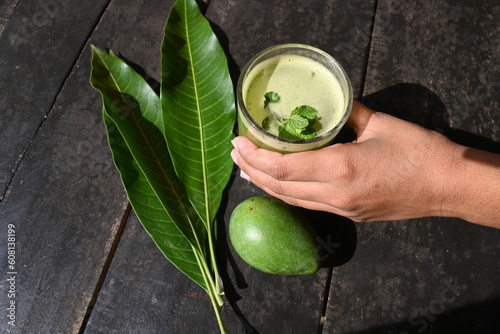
[299, 124]
[265, 123]
[307, 133]
[307, 112]
[296, 122]
[287, 132]
[271, 97]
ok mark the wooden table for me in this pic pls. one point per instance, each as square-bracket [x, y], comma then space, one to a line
[82, 261]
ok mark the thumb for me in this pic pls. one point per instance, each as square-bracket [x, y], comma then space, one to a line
[359, 118]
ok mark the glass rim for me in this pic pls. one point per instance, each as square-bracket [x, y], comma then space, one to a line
[249, 65]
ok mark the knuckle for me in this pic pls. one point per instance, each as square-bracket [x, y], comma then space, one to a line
[346, 169]
[277, 187]
[353, 209]
[281, 170]
[347, 204]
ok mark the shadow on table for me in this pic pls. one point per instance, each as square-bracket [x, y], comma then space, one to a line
[420, 105]
[336, 237]
[479, 318]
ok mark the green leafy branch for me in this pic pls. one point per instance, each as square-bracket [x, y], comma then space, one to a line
[173, 151]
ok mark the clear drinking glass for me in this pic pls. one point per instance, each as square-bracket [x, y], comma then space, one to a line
[300, 75]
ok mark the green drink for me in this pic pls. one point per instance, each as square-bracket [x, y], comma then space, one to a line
[301, 76]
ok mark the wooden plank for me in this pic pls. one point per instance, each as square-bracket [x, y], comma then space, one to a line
[434, 63]
[249, 27]
[40, 43]
[65, 201]
[142, 291]
[339, 28]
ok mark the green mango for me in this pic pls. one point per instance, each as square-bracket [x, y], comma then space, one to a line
[273, 237]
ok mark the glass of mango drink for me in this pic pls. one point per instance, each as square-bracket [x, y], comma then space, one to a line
[298, 75]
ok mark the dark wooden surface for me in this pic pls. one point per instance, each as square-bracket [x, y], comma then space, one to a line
[83, 262]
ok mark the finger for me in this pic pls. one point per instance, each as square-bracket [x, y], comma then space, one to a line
[292, 190]
[307, 204]
[294, 193]
[310, 205]
[359, 118]
[303, 166]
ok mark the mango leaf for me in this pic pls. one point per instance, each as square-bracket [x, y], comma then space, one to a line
[197, 98]
[173, 151]
[132, 114]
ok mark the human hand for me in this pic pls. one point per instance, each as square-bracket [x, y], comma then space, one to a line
[393, 170]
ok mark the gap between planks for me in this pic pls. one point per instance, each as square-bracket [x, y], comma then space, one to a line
[361, 93]
[368, 52]
[105, 268]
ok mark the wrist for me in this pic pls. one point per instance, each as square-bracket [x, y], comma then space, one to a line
[473, 191]
[452, 192]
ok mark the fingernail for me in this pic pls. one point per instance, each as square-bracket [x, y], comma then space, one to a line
[244, 176]
[233, 156]
[233, 143]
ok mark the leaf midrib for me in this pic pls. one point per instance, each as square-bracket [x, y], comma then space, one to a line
[156, 159]
[200, 122]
